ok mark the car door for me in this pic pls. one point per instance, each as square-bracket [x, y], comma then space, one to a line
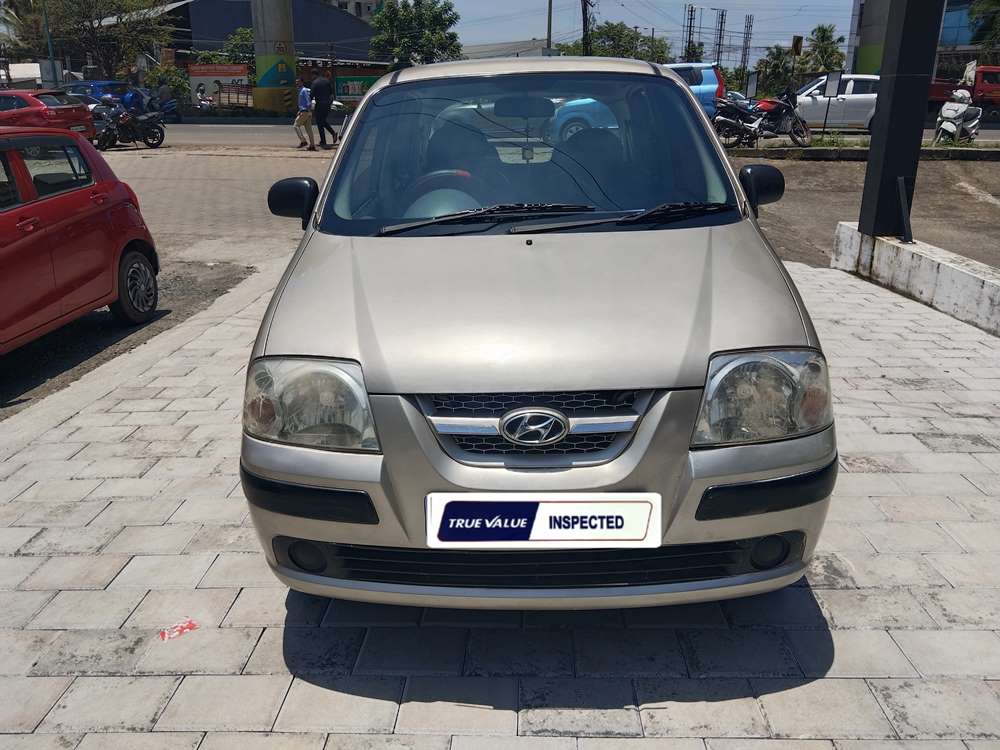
[76, 213]
[12, 109]
[860, 104]
[812, 104]
[28, 298]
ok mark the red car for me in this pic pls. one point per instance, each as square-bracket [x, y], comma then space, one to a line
[72, 238]
[46, 109]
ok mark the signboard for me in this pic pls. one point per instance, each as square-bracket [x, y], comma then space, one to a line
[751, 92]
[833, 83]
[797, 45]
[215, 80]
[353, 88]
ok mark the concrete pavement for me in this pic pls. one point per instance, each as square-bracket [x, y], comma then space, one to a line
[138, 612]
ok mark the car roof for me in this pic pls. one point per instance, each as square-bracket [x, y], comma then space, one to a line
[698, 65]
[11, 131]
[30, 92]
[515, 65]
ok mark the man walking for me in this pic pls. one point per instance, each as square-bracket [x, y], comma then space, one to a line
[303, 121]
[322, 94]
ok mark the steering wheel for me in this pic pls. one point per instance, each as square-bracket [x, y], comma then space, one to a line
[449, 179]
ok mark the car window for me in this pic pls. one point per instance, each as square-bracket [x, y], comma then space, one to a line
[8, 187]
[56, 100]
[812, 84]
[55, 167]
[429, 148]
[8, 103]
[692, 76]
[844, 82]
[991, 78]
[864, 86]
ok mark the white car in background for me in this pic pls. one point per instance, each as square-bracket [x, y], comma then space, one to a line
[852, 108]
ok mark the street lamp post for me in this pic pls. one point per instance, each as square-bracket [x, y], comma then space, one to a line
[548, 35]
[48, 39]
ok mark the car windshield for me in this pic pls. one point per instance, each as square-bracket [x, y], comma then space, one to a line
[557, 142]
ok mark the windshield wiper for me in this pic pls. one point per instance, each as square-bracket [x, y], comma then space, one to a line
[499, 210]
[657, 214]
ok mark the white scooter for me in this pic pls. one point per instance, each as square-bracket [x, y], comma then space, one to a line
[959, 120]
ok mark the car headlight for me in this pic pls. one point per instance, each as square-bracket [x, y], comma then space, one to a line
[753, 397]
[310, 402]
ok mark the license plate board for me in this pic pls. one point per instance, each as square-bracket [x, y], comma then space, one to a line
[543, 520]
[78, 128]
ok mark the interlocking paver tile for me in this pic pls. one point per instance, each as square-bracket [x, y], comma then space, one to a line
[18, 607]
[275, 607]
[162, 572]
[971, 608]
[849, 653]
[202, 651]
[411, 651]
[20, 649]
[13, 570]
[873, 609]
[262, 741]
[225, 703]
[93, 652]
[24, 701]
[698, 708]
[794, 607]
[152, 540]
[13, 538]
[239, 569]
[298, 651]
[87, 609]
[69, 541]
[139, 741]
[738, 653]
[341, 704]
[459, 705]
[651, 653]
[650, 743]
[940, 708]
[574, 706]
[343, 613]
[471, 618]
[209, 511]
[165, 607]
[952, 653]
[503, 652]
[818, 709]
[78, 513]
[682, 616]
[136, 513]
[40, 741]
[109, 704]
[92, 572]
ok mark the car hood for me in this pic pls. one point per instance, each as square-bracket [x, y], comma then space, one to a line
[567, 311]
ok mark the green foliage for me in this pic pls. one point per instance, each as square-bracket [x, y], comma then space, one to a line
[415, 31]
[823, 52]
[694, 52]
[174, 77]
[621, 40]
[112, 32]
[736, 78]
[236, 50]
[776, 70]
[984, 15]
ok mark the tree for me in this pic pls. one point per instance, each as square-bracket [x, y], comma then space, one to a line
[694, 52]
[823, 53]
[111, 32]
[620, 40]
[776, 69]
[174, 77]
[236, 50]
[984, 15]
[415, 31]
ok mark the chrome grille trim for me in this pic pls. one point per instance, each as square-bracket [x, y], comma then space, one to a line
[491, 425]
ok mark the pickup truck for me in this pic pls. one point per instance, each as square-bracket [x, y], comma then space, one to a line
[982, 81]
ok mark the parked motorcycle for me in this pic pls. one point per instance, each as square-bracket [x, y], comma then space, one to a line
[130, 127]
[958, 121]
[768, 118]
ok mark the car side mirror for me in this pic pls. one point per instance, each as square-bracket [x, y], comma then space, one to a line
[763, 184]
[294, 197]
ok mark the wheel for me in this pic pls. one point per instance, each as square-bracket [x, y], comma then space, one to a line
[138, 292]
[730, 136]
[154, 136]
[571, 128]
[801, 134]
[106, 140]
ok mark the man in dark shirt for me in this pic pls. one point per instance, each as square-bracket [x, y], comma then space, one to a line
[322, 94]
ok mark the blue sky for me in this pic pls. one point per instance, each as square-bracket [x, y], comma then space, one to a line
[775, 21]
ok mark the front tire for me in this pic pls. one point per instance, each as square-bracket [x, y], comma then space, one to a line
[730, 136]
[138, 292]
[800, 134]
[154, 136]
[571, 128]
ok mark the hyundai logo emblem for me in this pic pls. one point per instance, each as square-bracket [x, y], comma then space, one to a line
[534, 427]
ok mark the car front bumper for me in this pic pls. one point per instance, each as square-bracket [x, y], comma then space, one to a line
[709, 496]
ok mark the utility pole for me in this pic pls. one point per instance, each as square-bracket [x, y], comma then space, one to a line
[720, 30]
[548, 35]
[48, 39]
[587, 50]
[747, 32]
[689, 38]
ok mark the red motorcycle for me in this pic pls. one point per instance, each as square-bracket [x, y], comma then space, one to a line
[768, 118]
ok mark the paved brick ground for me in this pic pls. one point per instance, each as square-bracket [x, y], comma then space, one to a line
[120, 516]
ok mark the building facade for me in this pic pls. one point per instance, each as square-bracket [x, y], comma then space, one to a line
[363, 10]
[959, 44]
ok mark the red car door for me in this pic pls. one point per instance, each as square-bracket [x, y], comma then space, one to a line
[12, 109]
[28, 297]
[74, 205]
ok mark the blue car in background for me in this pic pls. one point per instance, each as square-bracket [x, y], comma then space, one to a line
[706, 81]
[575, 115]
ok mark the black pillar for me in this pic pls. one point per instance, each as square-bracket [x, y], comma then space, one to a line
[911, 42]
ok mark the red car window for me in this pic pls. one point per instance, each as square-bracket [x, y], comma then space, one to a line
[9, 196]
[9, 102]
[55, 167]
[57, 100]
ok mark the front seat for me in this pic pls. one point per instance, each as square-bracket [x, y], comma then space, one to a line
[595, 160]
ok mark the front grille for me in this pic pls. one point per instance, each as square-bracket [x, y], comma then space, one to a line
[571, 445]
[538, 569]
[570, 403]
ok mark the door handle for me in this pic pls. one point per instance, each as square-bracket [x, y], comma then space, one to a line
[841, 98]
[99, 198]
[28, 225]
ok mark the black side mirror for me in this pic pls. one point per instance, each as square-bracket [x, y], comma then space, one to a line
[294, 197]
[763, 184]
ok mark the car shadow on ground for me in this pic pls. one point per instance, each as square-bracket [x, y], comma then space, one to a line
[41, 360]
[630, 660]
